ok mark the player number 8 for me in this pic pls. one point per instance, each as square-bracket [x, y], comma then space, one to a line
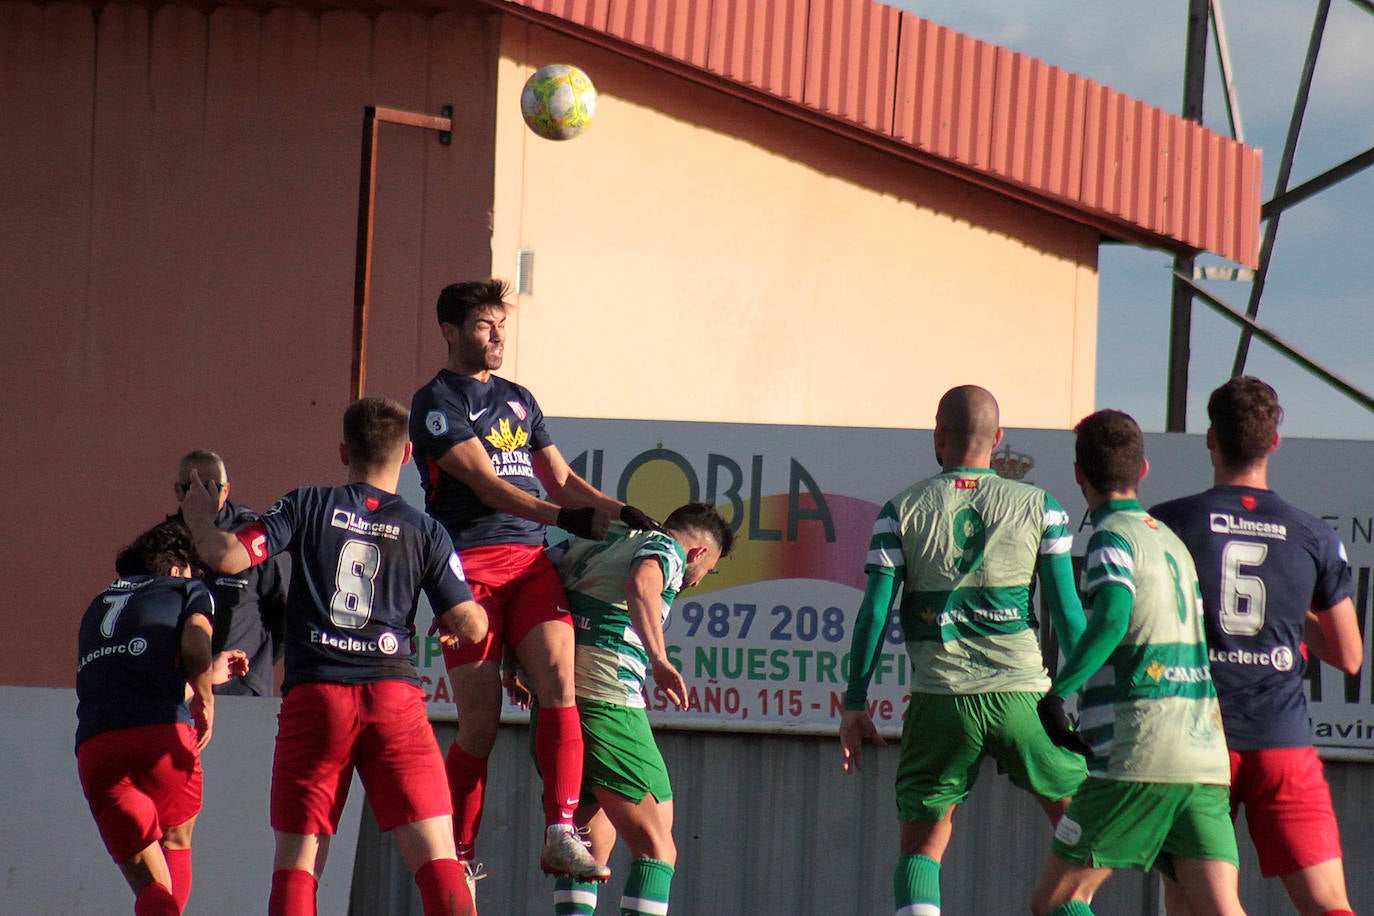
[351, 606]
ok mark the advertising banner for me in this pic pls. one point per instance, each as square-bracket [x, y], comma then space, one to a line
[763, 642]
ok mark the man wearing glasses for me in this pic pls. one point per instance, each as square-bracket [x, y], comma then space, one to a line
[249, 606]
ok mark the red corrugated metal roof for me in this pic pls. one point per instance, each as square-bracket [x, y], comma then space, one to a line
[1001, 119]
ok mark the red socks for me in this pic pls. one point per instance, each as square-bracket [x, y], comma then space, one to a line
[444, 889]
[179, 864]
[293, 893]
[558, 749]
[467, 784]
[154, 899]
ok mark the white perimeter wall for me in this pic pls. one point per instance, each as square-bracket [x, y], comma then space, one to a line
[54, 862]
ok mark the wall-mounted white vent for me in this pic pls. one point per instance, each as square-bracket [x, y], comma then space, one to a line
[524, 271]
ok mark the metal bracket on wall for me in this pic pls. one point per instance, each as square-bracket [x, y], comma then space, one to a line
[367, 188]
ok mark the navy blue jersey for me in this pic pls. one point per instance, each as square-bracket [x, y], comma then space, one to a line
[361, 557]
[127, 672]
[1262, 564]
[505, 417]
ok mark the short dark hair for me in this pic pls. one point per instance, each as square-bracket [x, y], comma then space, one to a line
[703, 519]
[1108, 450]
[458, 299]
[157, 550]
[374, 430]
[1245, 415]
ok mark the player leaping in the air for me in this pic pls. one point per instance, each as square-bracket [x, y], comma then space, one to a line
[1270, 573]
[351, 694]
[483, 451]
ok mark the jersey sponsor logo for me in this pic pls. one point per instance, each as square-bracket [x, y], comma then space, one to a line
[1280, 658]
[1226, 523]
[351, 522]
[136, 646]
[966, 483]
[1177, 674]
[387, 644]
[436, 422]
[231, 582]
[518, 409]
[473, 417]
[506, 439]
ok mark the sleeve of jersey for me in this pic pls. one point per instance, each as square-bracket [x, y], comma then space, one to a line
[1333, 573]
[1055, 570]
[867, 637]
[539, 434]
[270, 533]
[444, 422]
[885, 546]
[663, 551]
[446, 585]
[199, 600]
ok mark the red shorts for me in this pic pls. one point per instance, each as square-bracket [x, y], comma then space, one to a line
[1287, 807]
[139, 781]
[325, 730]
[519, 588]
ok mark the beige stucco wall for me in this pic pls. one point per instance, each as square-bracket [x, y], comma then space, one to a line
[700, 258]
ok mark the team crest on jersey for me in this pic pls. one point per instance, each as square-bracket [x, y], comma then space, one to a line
[518, 409]
[1249, 502]
[436, 422]
[372, 503]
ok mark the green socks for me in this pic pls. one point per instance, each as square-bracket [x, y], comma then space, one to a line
[646, 889]
[574, 898]
[916, 886]
[1072, 908]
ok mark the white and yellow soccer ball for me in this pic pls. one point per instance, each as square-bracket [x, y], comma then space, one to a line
[558, 102]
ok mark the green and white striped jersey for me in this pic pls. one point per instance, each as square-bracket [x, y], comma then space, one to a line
[1151, 712]
[611, 663]
[963, 546]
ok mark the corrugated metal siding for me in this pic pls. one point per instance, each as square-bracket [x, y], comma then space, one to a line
[1010, 120]
[768, 825]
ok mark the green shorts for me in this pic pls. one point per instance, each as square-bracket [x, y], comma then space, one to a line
[944, 741]
[620, 753]
[1116, 824]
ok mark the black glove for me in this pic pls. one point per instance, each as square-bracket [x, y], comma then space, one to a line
[587, 522]
[1057, 725]
[636, 519]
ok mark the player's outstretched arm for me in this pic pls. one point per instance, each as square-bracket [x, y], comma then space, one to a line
[569, 490]
[219, 550]
[197, 662]
[644, 597]
[1333, 635]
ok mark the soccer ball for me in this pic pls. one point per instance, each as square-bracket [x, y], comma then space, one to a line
[558, 102]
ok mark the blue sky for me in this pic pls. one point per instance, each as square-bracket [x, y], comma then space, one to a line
[1320, 292]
